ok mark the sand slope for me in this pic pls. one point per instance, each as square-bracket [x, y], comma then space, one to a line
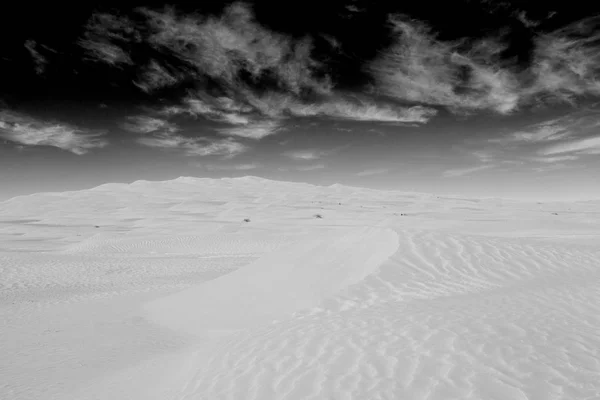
[295, 277]
[160, 290]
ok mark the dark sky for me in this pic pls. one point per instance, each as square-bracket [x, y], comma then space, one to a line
[484, 98]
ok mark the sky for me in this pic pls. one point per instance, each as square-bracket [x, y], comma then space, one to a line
[472, 98]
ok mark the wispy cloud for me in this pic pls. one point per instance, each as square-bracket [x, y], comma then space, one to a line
[567, 61]
[155, 76]
[258, 77]
[558, 140]
[557, 166]
[229, 167]
[146, 124]
[193, 146]
[547, 131]
[590, 145]
[457, 172]
[554, 159]
[105, 38]
[281, 105]
[28, 131]
[256, 130]
[310, 167]
[161, 133]
[39, 60]
[306, 154]
[374, 171]
[234, 43]
[420, 67]
[220, 109]
[483, 156]
[361, 110]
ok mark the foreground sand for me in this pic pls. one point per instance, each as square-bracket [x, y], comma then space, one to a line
[160, 290]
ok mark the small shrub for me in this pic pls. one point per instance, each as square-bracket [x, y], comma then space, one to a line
[246, 219]
[318, 216]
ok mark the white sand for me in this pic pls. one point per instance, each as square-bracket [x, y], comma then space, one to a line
[160, 290]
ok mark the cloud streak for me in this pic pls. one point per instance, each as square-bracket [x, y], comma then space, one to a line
[145, 124]
[558, 140]
[161, 133]
[106, 37]
[193, 146]
[39, 60]
[590, 145]
[458, 172]
[233, 167]
[306, 154]
[28, 131]
[312, 167]
[255, 131]
[375, 171]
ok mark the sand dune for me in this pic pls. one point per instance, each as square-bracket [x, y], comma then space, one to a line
[161, 290]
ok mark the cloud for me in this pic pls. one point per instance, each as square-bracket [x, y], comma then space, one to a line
[243, 74]
[554, 159]
[232, 50]
[105, 37]
[375, 171]
[194, 146]
[543, 132]
[528, 23]
[420, 68]
[107, 52]
[155, 76]
[466, 75]
[363, 111]
[26, 130]
[566, 62]
[161, 133]
[39, 60]
[310, 167]
[305, 155]
[453, 173]
[146, 124]
[483, 156]
[220, 109]
[256, 130]
[234, 167]
[229, 46]
[553, 167]
[590, 145]
[355, 108]
[557, 140]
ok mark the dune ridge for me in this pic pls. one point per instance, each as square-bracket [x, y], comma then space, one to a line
[295, 277]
